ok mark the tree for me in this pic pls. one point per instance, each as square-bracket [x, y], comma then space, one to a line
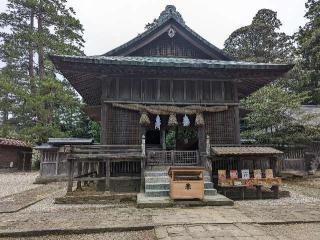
[308, 39]
[44, 101]
[272, 112]
[261, 41]
[271, 108]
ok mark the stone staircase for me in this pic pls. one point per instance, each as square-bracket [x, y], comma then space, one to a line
[157, 184]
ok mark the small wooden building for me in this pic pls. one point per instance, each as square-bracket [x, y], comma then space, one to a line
[15, 155]
[167, 79]
[53, 157]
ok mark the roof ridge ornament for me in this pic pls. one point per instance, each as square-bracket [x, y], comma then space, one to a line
[170, 12]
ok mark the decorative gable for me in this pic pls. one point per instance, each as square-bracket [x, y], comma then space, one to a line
[169, 36]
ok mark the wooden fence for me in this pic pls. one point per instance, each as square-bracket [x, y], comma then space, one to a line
[172, 158]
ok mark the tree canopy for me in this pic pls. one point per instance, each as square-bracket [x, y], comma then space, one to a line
[38, 102]
[271, 110]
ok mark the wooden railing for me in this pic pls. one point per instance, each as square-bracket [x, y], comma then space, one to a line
[99, 162]
[172, 158]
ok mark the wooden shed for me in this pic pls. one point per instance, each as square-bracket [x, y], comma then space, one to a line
[15, 155]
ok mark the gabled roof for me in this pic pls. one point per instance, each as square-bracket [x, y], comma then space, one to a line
[170, 14]
[70, 141]
[13, 143]
[244, 150]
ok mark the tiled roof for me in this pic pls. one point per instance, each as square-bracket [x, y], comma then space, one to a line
[70, 141]
[169, 62]
[14, 143]
[220, 151]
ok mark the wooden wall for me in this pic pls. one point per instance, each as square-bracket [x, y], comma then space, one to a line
[15, 155]
[152, 90]
[120, 126]
[165, 46]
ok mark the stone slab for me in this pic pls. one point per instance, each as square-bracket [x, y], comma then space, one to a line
[160, 202]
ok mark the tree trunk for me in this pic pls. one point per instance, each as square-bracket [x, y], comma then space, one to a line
[31, 56]
[40, 42]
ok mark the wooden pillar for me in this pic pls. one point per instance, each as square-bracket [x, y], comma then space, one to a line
[79, 170]
[107, 173]
[143, 163]
[24, 161]
[70, 174]
[201, 139]
[101, 184]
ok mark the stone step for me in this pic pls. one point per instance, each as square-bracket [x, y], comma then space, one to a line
[166, 186]
[166, 179]
[164, 173]
[164, 193]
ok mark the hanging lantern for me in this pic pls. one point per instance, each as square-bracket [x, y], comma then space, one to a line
[199, 120]
[185, 121]
[157, 123]
[172, 122]
[144, 119]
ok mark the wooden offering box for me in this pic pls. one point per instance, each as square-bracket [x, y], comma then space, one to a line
[186, 182]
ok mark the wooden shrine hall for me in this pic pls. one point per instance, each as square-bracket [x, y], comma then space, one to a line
[164, 98]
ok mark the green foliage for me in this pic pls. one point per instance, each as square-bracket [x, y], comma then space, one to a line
[261, 41]
[186, 133]
[271, 115]
[308, 39]
[171, 139]
[271, 109]
[37, 102]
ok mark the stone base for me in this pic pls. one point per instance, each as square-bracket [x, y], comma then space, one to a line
[162, 202]
[82, 197]
[251, 194]
[50, 179]
[125, 184]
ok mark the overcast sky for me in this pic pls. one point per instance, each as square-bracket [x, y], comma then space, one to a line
[110, 23]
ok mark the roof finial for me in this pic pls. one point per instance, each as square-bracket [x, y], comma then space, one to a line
[170, 12]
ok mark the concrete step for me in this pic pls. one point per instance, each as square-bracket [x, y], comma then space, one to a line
[166, 186]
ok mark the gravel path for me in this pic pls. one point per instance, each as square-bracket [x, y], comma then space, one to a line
[12, 183]
[134, 235]
[310, 231]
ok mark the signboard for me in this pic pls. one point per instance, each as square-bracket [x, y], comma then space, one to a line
[269, 173]
[257, 174]
[234, 174]
[245, 174]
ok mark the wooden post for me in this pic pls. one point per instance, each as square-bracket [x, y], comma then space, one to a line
[142, 180]
[208, 145]
[70, 175]
[143, 146]
[24, 161]
[172, 157]
[79, 167]
[57, 163]
[101, 184]
[107, 164]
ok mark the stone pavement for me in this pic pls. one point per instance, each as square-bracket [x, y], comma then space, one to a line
[213, 231]
[245, 220]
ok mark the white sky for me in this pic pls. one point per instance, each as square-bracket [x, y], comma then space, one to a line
[109, 23]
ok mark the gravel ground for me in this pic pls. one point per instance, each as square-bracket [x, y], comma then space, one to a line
[12, 183]
[134, 235]
[309, 231]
